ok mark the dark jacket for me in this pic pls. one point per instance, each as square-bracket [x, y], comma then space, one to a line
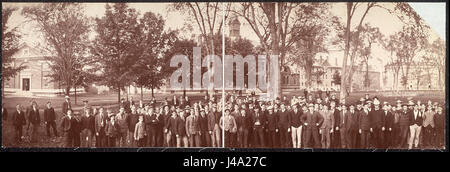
[70, 125]
[404, 118]
[151, 122]
[203, 123]
[192, 124]
[388, 119]
[439, 120]
[88, 123]
[99, 128]
[364, 121]
[18, 119]
[180, 126]
[211, 120]
[160, 122]
[272, 121]
[337, 118]
[284, 119]
[312, 120]
[132, 120]
[121, 119]
[170, 125]
[49, 115]
[112, 130]
[377, 118]
[258, 118]
[415, 120]
[243, 122]
[352, 119]
[295, 118]
[34, 117]
[344, 122]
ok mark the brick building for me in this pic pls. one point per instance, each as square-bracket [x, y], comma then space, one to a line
[33, 79]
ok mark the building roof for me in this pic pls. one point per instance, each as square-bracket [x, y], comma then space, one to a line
[234, 20]
[29, 52]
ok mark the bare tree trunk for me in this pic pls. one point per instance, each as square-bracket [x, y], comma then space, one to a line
[142, 93]
[344, 78]
[118, 94]
[75, 95]
[68, 91]
[152, 93]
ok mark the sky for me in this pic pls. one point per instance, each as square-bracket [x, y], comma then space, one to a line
[432, 13]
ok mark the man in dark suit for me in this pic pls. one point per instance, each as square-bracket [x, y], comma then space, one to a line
[388, 126]
[205, 139]
[181, 130]
[377, 120]
[70, 127]
[336, 135]
[66, 105]
[34, 120]
[365, 126]
[271, 127]
[132, 120]
[243, 122]
[343, 126]
[284, 128]
[439, 121]
[151, 125]
[312, 121]
[193, 129]
[352, 129]
[18, 121]
[50, 120]
[100, 126]
[258, 121]
[121, 119]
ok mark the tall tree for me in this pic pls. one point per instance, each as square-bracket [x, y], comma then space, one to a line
[315, 24]
[65, 29]
[369, 36]
[151, 70]
[411, 42]
[435, 56]
[10, 45]
[402, 10]
[116, 48]
[278, 25]
[208, 18]
[184, 47]
[394, 63]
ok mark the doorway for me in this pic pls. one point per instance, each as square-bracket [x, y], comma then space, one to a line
[26, 84]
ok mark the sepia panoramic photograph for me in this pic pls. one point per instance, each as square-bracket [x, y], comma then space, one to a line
[300, 75]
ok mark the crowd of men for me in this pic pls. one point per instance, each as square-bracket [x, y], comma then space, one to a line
[310, 121]
[325, 122]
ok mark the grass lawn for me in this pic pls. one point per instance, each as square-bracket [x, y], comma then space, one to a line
[110, 101]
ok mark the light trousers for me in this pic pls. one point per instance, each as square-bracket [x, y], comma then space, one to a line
[414, 135]
[182, 140]
[296, 133]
